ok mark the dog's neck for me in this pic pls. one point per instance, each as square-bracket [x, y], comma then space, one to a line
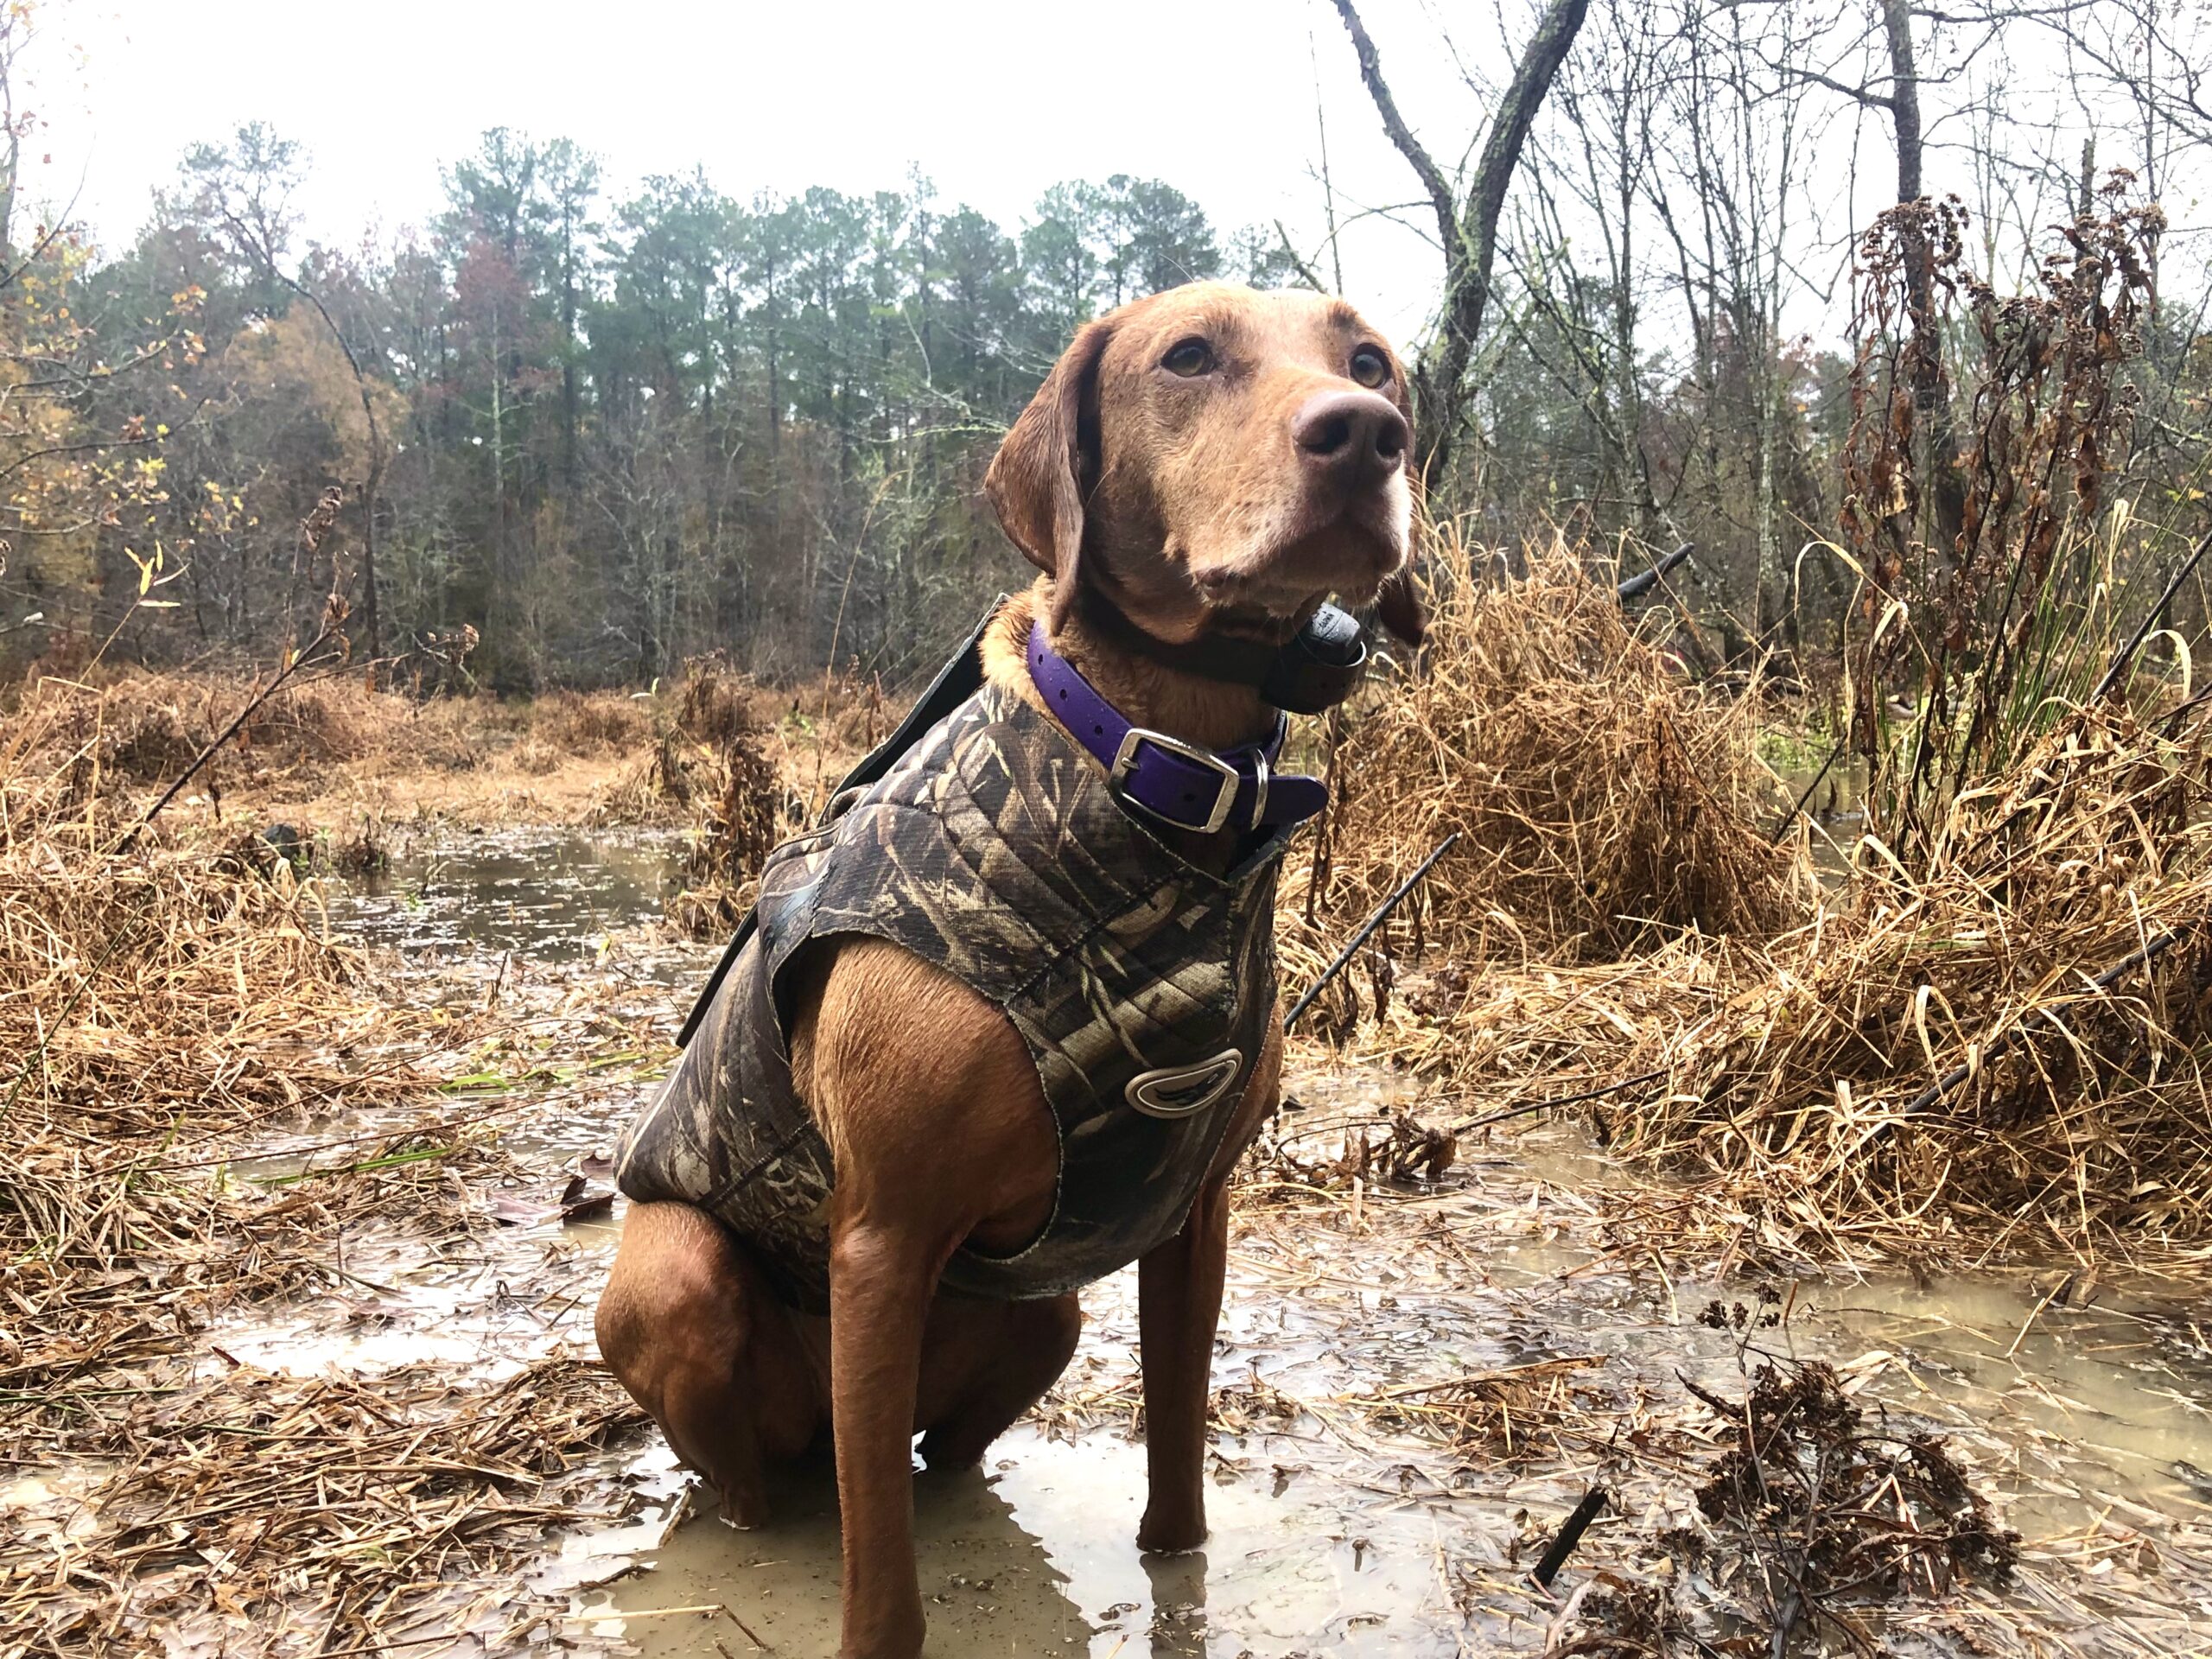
[1211, 713]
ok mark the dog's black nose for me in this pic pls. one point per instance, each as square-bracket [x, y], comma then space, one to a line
[1353, 438]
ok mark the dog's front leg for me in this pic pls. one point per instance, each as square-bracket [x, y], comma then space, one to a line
[1178, 1304]
[881, 1282]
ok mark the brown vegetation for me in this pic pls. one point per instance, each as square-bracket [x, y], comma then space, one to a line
[173, 990]
[1813, 1508]
[438, 1472]
[2011, 1041]
[1603, 799]
[168, 998]
[2007, 1044]
[330, 749]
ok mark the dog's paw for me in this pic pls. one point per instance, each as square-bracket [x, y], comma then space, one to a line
[1171, 1535]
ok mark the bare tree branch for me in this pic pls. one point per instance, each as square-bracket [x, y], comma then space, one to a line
[1468, 232]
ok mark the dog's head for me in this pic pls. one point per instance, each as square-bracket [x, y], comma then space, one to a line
[1214, 457]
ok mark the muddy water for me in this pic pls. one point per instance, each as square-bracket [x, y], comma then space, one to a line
[553, 896]
[1033, 1555]
[1834, 808]
[1337, 1529]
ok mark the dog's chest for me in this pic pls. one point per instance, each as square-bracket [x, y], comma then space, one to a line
[1142, 986]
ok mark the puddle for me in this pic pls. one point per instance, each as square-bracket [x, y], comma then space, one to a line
[1835, 803]
[1340, 1528]
[1033, 1553]
[552, 896]
[2110, 1402]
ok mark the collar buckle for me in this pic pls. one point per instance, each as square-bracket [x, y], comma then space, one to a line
[1125, 762]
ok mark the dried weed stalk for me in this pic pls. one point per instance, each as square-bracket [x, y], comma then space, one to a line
[1999, 608]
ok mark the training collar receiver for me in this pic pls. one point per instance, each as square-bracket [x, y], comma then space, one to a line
[1320, 665]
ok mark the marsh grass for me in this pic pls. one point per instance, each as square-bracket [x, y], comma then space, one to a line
[204, 1099]
[1603, 800]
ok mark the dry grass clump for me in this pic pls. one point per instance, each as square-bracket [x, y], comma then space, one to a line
[683, 751]
[593, 722]
[155, 993]
[1497, 1035]
[255, 1513]
[718, 705]
[2014, 1039]
[166, 986]
[1499, 1416]
[747, 811]
[1598, 794]
[713, 767]
[141, 727]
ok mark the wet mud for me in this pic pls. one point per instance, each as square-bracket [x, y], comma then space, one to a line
[1415, 1384]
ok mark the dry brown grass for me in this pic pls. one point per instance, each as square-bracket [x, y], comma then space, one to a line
[2005, 1051]
[158, 982]
[253, 1513]
[169, 1001]
[1500, 1416]
[721, 766]
[328, 748]
[2011, 1043]
[155, 993]
[2004, 1047]
[1601, 798]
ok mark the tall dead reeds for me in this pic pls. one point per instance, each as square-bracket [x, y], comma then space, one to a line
[1601, 798]
[2011, 1038]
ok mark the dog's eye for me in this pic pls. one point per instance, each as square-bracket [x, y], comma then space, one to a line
[1369, 367]
[1188, 357]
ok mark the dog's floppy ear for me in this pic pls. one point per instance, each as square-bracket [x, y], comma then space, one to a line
[1399, 610]
[1036, 481]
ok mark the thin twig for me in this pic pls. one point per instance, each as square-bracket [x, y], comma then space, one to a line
[1381, 914]
[2126, 652]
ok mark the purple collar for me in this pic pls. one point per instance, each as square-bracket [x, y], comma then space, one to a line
[1168, 780]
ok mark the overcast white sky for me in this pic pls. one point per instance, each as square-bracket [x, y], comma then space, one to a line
[996, 100]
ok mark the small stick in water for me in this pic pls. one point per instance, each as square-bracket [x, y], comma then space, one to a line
[1570, 1534]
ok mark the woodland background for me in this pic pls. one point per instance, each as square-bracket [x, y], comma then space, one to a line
[579, 437]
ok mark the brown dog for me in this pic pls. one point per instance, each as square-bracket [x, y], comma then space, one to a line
[1207, 462]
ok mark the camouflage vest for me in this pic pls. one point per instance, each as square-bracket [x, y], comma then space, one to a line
[993, 849]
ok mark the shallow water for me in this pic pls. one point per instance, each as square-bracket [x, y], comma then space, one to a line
[1332, 1534]
[551, 895]
[1836, 809]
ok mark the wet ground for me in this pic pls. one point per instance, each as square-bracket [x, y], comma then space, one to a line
[1351, 1515]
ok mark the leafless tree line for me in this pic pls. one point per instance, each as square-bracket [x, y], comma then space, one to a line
[1646, 323]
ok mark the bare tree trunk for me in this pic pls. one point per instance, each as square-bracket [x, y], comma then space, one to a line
[1946, 484]
[1467, 231]
[10, 139]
